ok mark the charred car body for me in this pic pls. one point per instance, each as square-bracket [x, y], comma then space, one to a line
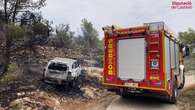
[62, 70]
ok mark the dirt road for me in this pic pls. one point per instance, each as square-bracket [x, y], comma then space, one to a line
[146, 103]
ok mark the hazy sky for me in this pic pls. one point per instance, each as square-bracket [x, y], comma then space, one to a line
[118, 12]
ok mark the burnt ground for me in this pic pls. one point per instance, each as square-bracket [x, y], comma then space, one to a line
[22, 86]
[30, 92]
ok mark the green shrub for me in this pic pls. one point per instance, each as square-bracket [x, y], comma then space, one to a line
[14, 31]
[13, 73]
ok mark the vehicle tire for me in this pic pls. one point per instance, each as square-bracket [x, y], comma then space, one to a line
[73, 83]
[43, 76]
[79, 82]
[124, 94]
[183, 82]
[173, 99]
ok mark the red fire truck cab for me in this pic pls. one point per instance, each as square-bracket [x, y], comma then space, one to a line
[143, 60]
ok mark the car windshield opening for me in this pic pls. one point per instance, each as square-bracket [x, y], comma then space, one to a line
[58, 66]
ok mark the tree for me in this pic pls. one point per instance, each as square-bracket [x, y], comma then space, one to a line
[12, 32]
[40, 27]
[79, 42]
[90, 34]
[11, 11]
[100, 53]
[1, 16]
[188, 36]
[13, 8]
[64, 36]
[28, 18]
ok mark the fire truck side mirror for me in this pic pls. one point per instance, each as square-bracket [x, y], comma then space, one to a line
[186, 51]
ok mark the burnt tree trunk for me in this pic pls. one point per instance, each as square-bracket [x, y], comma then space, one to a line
[7, 53]
[15, 11]
[5, 12]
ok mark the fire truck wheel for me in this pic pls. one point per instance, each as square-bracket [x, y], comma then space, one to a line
[183, 82]
[124, 94]
[173, 99]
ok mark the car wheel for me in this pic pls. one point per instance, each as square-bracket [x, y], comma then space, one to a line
[73, 83]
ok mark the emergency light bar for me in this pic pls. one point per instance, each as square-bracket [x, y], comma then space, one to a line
[132, 30]
[155, 27]
[159, 26]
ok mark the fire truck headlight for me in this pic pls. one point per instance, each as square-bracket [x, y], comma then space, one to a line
[154, 64]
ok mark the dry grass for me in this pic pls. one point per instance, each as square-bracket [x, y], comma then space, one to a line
[14, 73]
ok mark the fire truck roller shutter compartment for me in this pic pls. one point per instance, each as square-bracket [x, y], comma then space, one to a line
[131, 59]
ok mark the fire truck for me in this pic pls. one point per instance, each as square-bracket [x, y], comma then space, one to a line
[145, 60]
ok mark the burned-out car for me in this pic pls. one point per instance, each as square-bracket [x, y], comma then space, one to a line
[61, 71]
